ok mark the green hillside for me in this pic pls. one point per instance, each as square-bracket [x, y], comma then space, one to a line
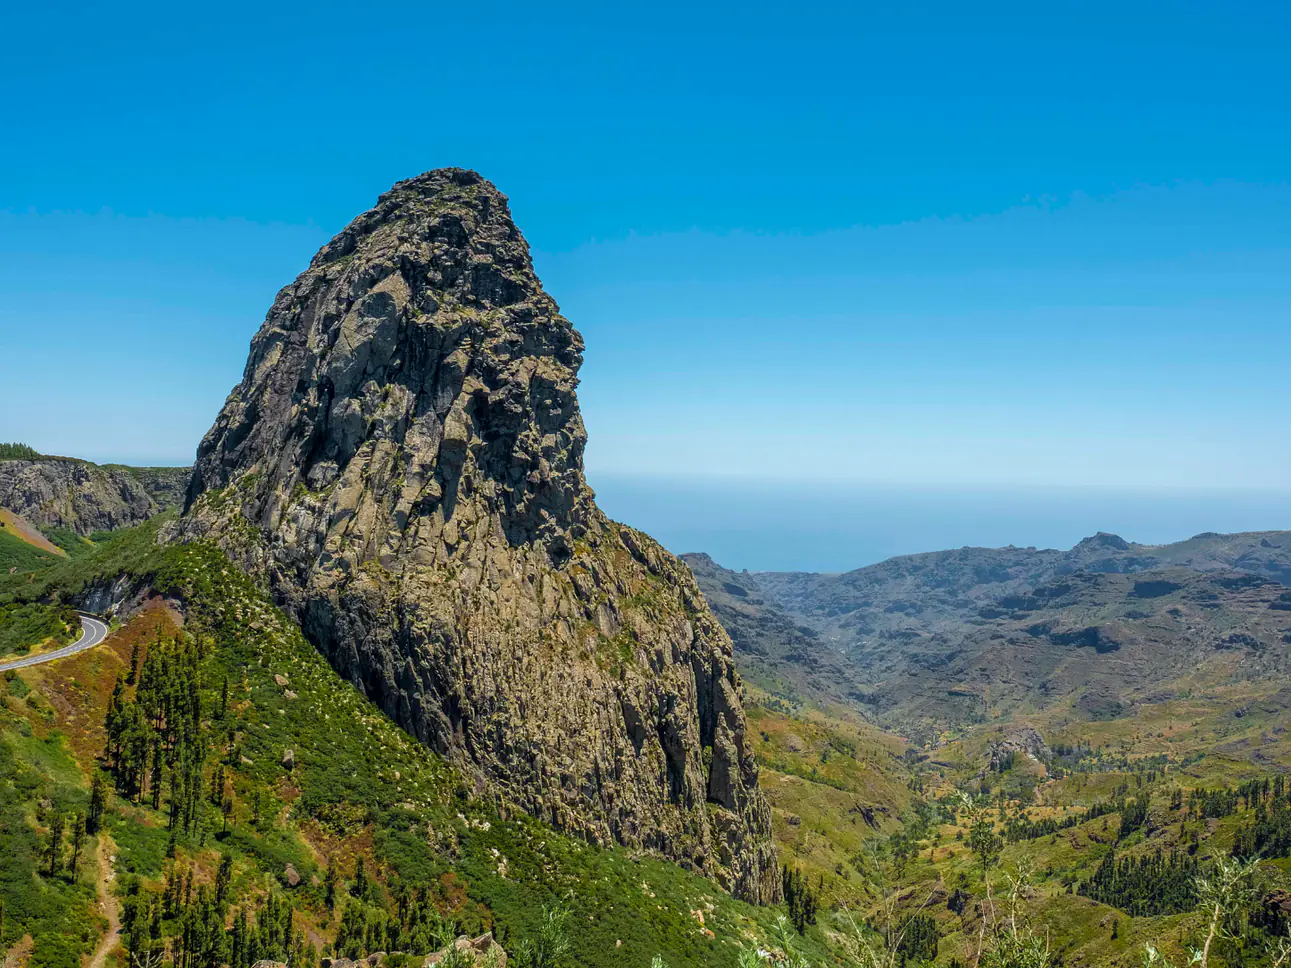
[19, 557]
[224, 700]
[251, 804]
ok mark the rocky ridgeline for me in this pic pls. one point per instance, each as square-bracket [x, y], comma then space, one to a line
[60, 492]
[402, 464]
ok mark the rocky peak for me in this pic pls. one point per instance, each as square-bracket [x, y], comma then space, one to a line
[421, 343]
[1103, 540]
[402, 465]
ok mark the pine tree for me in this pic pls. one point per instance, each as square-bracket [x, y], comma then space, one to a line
[133, 675]
[982, 839]
[54, 844]
[98, 802]
[360, 880]
[329, 883]
[155, 776]
[223, 877]
[801, 900]
[217, 785]
[78, 841]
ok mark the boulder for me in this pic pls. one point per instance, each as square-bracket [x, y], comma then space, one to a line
[483, 951]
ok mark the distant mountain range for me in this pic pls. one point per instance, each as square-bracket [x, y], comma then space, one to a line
[952, 636]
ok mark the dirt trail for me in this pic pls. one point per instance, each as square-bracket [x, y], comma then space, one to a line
[107, 903]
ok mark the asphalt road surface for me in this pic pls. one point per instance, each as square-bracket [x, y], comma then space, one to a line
[92, 633]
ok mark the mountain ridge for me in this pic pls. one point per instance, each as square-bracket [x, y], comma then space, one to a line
[924, 588]
[948, 637]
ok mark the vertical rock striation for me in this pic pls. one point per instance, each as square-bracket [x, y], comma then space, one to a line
[402, 463]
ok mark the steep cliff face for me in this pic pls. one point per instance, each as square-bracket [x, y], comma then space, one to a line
[167, 486]
[58, 492]
[402, 463]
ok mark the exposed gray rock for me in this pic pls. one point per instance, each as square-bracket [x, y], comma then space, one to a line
[53, 492]
[484, 951]
[1024, 740]
[61, 492]
[402, 464]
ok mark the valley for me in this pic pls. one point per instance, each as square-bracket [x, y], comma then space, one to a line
[1060, 691]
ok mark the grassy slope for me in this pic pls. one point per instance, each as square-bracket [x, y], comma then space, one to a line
[20, 528]
[19, 557]
[360, 786]
[1219, 737]
[37, 775]
[68, 541]
[835, 786]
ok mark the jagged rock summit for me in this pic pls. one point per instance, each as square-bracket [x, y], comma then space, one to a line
[402, 464]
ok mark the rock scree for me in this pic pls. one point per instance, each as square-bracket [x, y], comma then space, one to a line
[402, 466]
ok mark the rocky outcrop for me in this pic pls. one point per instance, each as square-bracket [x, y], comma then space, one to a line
[57, 492]
[402, 464]
[1024, 740]
[482, 951]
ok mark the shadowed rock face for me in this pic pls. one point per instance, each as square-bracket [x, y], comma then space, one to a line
[402, 464]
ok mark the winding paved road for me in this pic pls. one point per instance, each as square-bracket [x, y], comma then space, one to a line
[92, 633]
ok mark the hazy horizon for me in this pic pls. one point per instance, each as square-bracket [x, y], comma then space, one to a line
[788, 526]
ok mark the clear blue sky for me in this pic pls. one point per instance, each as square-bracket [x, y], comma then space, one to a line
[938, 243]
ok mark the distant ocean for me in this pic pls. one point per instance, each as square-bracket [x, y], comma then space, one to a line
[784, 526]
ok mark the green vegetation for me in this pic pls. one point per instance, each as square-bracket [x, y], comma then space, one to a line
[239, 749]
[69, 541]
[130, 553]
[44, 892]
[19, 557]
[17, 451]
[23, 626]
[255, 801]
[1145, 885]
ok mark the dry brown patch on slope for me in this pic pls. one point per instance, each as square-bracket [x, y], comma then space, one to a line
[19, 954]
[20, 528]
[78, 687]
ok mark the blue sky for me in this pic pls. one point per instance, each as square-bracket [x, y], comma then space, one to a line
[1016, 244]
